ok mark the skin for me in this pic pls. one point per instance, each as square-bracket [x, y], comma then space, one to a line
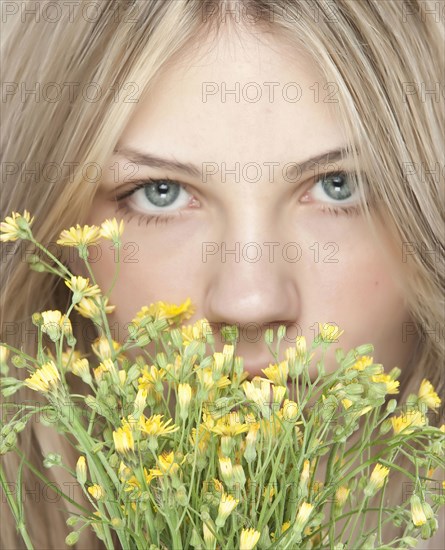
[352, 284]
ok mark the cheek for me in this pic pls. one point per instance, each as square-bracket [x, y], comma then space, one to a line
[362, 294]
[149, 271]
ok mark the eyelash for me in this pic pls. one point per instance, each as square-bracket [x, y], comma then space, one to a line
[128, 214]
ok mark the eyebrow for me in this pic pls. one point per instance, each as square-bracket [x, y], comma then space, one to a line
[147, 159]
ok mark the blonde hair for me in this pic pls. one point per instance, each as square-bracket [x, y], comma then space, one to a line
[384, 58]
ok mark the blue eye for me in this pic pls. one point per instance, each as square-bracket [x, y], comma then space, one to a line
[338, 187]
[162, 193]
[154, 196]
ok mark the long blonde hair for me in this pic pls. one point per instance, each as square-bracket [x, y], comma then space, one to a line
[385, 60]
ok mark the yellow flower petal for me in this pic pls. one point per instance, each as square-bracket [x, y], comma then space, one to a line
[79, 236]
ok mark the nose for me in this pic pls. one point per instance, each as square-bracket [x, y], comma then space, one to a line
[250, 284]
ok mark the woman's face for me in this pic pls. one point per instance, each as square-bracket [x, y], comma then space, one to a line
[249, 228]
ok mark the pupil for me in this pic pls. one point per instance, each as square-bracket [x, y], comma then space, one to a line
[163, 188]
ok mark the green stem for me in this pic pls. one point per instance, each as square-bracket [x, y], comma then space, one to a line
[52, 486]
[62, 267]
[116, 274]
[14, 510]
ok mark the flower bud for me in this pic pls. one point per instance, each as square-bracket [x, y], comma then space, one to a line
[18, 361]
[184, 398]
[281, 332]
[4, 354]
[72, 521]
[52, 459]
[81, 470]
[268, 336]
[209, 537]
[72, 538]
[96, 491]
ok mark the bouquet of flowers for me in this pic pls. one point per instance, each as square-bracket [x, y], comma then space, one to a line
[179, 449]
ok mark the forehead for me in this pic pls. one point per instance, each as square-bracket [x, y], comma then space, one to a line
[244, 96]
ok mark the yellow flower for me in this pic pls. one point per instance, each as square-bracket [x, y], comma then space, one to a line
[249, 539]
[278, 393]
[407, 422]
[209, 537]
[269, 492]
[417, 513]
[258, 391]
[217, 486]
[161, 310]
[124, 471]
[81, 470]
[229, 425]
[300, 346]
[304, 478]
[102, 350]
[44, 379]
[106, 366]
[96, 491]
[154, 426]
[184, 398]
[112, 230]
[377, 479]
[200, 439]
[284, 528]
[362, 363]
[392, 386]
[16, 226]
[277, 372]
[226, 467]
[81, 368]
[88, 307]
[428, 396]
[239, 476]
[140, 402]
[330, 332]
[198, 331]
[123, 439]
[174, 312]
[206, 380]
[226, 506]
[252, 434]
[79, 236]
[81, 288]
[290, 411]
[68, 358]
[228, 351]
[154, 472]
[218, 363]
[122, 375]
[341, 496]
[151, 377]
[346, 403]
[4, 354]
[167, 463]
[132, 484]
[54, 324]
[303, 514]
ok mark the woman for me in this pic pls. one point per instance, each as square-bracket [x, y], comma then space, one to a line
[276, 162]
